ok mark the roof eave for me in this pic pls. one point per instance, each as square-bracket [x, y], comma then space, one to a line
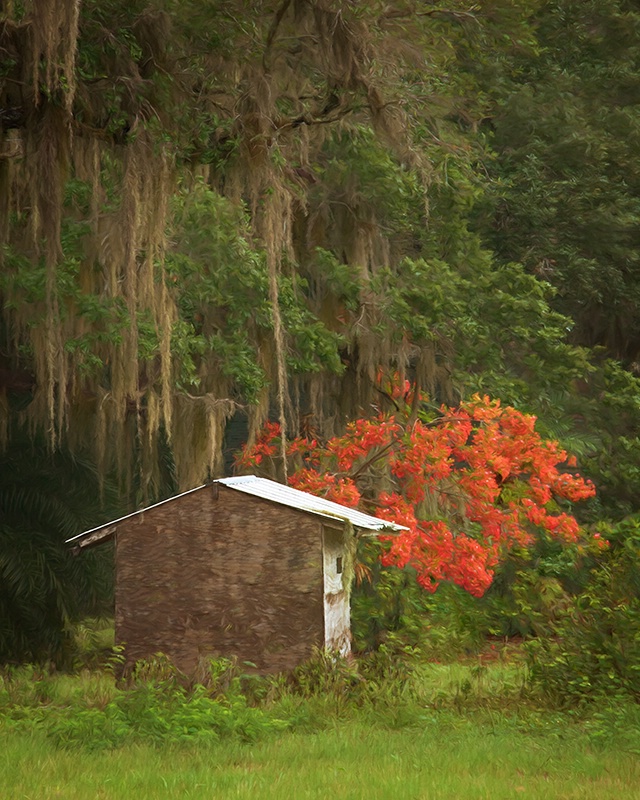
[92, 537]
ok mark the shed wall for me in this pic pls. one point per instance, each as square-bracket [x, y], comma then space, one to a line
[220, 573]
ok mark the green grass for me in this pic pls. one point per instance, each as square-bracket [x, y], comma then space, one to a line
[442, 760]
[438, 731]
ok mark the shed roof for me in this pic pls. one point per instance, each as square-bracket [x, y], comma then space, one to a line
[303, 501]
[265, 489]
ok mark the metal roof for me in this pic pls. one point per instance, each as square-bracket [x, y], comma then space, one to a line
[303, 501]
[258, 487]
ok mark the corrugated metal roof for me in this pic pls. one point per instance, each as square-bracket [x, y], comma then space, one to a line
[303, 501]
[259, 487]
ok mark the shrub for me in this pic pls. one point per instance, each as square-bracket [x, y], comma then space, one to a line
[160, 712]
[594, 647]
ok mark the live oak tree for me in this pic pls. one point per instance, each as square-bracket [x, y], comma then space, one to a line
[249, 207]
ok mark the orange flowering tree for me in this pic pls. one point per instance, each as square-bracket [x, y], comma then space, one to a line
[469, 483]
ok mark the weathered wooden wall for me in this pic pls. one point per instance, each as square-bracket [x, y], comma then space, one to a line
[217, 572]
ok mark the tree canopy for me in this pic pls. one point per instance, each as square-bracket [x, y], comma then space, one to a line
[220, 208]
[217, 215]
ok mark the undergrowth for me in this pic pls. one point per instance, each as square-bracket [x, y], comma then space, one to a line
[92, 711]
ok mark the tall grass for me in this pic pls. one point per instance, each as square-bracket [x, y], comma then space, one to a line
[387, 727]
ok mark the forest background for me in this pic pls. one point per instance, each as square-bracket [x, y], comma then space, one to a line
[215, 215]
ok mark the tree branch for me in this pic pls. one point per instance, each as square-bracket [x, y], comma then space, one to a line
[271, 35]
[458, 16]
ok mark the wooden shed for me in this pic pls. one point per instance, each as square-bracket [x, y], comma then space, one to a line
[242, 567]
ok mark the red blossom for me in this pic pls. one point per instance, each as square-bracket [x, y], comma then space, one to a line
[339, 490]
[494, 481]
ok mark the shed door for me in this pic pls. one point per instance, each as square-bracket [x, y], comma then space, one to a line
[337, 627]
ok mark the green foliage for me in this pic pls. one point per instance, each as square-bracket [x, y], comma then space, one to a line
[565, 127]
[222, 285]
[592, 649]
[391, 614]
[358, 170]
[92, 644]
[161, 714]
[157, 707]
[155, 710]
[102, 320]
[46, 498]
[610, 408]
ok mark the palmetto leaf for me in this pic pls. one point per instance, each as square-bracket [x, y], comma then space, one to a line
[44, 499]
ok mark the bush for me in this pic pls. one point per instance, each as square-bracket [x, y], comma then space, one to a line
[159, 714]
[390, 610]
[594, 647]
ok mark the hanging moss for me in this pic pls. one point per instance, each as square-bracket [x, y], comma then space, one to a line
[205, 215]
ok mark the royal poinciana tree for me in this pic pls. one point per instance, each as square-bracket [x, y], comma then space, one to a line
[469, 483]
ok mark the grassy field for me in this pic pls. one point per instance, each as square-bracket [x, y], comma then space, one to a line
[466, 760]
[444, 732]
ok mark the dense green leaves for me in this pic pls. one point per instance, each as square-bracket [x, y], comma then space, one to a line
[45, 499]
[221, 281]
[566, 129]
[592, 647]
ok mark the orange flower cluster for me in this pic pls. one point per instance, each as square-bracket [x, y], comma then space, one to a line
[340, 490]
[361, 438]
[265, 447]
[491, 478]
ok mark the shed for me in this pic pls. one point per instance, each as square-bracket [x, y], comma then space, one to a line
[242, 567]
